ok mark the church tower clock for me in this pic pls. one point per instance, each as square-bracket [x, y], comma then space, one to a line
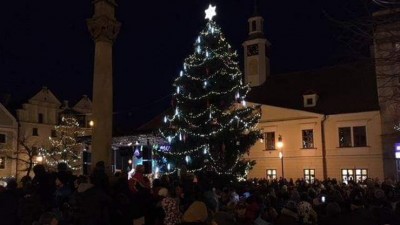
[256, 49]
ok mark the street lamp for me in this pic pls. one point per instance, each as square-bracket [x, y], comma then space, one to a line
[279, 145]
[39, 159]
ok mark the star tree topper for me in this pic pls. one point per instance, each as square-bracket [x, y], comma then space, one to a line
[210, 12]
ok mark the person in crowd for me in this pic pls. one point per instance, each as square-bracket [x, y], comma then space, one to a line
[93, 203]
[9, 203]
[288, 214]
[43, 185]
[169, 204]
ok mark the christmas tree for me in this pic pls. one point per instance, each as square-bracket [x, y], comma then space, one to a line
[65, 148]
[212, 127]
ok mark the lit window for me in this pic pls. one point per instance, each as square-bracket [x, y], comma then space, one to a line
[2, 162]
[307, 138]
[270, 140]
[361, 175]
[2, 138]
[309, 175]
[357, 175]
[271, 174]
[352, 136]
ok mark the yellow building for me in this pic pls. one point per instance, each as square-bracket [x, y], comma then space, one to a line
[330, 120]
[37, 120]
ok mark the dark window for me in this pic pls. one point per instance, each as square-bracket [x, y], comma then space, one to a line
[40, 118]
[310, 101]
[360, 137]
[2, 138]
[270, 140]
[253, 26]
[2, 162]
[344, 137]
[34, 150]
[308, 138]
[53, 133]
[309, 175]
[35, 131]
[352, 136]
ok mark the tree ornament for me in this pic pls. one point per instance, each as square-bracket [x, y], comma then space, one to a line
[210, 12]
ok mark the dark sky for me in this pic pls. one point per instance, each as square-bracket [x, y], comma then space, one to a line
[46, 43]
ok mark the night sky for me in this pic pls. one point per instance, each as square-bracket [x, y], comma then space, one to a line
[46, 43]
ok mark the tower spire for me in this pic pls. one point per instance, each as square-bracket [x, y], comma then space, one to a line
[256, 11]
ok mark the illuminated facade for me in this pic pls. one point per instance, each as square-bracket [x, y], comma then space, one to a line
[331, 120]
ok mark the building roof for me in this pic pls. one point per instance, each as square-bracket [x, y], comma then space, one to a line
[347, 88]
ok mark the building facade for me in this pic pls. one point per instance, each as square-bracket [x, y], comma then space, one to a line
[8, 142]
[37, 120]
[332, 121]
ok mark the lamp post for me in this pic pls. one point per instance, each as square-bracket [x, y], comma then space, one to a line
[279, 145]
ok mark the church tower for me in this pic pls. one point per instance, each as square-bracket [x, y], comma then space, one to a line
[104, 29]
[256, 50]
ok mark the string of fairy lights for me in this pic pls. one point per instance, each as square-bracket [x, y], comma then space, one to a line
[65, 148]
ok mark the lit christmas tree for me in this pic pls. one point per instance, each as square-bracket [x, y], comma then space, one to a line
[211, 127]
[65, 148]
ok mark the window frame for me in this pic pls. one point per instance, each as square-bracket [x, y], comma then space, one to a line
[309, 175]
[40, 118]
[5, 138]
[3, 162]
[303, 145]
[35, 131]
[356, 177]
[352, 134]
[271, 174]
[267, 146]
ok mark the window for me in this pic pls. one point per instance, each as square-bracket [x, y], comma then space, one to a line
[34, 150]
[270, 140]
[253, 26]
[2, 162]
[357, 175]
[35, 131]
[307, 138]
[271, 174]
[40, 118]
[2, 138]
[361, 175]
[309, 175]
[352, 136]
[53, 133]
[360, 137]
[310, 101]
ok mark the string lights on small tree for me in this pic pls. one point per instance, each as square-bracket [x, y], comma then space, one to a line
[64, 147]
[211, 126]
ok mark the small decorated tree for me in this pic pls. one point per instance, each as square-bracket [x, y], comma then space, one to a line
[65, 148]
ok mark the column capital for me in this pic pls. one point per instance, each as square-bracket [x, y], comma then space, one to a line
[103, 28]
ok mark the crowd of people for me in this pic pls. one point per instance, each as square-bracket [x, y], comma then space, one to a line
[60, 198]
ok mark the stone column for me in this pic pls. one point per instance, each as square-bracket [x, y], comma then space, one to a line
[104, 28]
